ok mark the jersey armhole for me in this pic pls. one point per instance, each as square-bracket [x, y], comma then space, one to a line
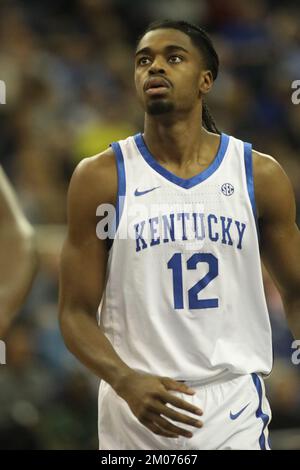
[248, 160]
[121, 188]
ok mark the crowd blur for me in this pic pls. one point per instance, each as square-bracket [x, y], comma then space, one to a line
[68, 68]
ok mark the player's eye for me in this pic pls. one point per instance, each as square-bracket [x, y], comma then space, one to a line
[175, 59]
[143, 61]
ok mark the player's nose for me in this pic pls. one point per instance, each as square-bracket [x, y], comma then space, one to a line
[157, 66]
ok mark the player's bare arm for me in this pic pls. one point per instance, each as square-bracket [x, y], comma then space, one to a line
[83, 267]
[82, 281]
[18, 255]
[280, 236]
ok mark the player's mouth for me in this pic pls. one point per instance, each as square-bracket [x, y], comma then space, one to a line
[156, 86]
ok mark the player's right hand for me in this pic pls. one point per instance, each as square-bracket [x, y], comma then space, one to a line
[148, 398]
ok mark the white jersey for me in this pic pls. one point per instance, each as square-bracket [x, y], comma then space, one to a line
[184, 296]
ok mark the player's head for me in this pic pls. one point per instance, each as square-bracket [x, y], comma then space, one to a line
[176, 64]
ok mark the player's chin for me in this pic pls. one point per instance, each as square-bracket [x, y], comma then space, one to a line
[159, 105]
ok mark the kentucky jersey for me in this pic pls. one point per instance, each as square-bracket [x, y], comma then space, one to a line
[184, 296]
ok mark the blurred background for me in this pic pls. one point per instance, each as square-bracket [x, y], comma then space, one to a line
[68, 68]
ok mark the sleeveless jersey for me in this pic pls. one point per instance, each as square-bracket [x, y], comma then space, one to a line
[184, 296]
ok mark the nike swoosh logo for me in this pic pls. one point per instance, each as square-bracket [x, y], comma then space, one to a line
[236, 415]
[141, 193]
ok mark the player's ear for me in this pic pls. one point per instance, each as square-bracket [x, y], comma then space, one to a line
[205, 82]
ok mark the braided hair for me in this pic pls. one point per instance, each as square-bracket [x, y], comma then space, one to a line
[203, 42]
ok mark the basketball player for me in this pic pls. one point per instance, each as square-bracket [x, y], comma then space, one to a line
[184, 337]
[18, 256]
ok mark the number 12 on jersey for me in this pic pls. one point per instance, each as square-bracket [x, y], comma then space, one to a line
[175, 263]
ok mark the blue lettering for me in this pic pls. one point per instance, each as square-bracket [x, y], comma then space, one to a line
[241, 232]
[168, 228]
[215, 237]
[153, 230]
[138, 236]
[226, 230]
[183, 216]
[197, 235]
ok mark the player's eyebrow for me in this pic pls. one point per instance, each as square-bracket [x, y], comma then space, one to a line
[170, 48]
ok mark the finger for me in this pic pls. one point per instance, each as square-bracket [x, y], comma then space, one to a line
[175, 416]
[178, 403]
[167, 426]
[161, 432]
[171, 384]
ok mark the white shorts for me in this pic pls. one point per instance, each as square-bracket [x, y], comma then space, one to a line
[236, 415]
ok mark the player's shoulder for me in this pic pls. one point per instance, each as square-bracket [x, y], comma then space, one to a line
[98, 165]
[96, 177]
[266, 168]
[272, 185]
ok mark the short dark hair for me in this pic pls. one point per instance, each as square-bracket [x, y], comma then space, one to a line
[203, 42]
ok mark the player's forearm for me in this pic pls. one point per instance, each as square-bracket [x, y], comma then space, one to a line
[87, 342]
[292, 309]
[18, 267]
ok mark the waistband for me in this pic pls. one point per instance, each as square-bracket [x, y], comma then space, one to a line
[212, 381]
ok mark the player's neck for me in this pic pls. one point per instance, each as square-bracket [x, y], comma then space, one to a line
[179, 140]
